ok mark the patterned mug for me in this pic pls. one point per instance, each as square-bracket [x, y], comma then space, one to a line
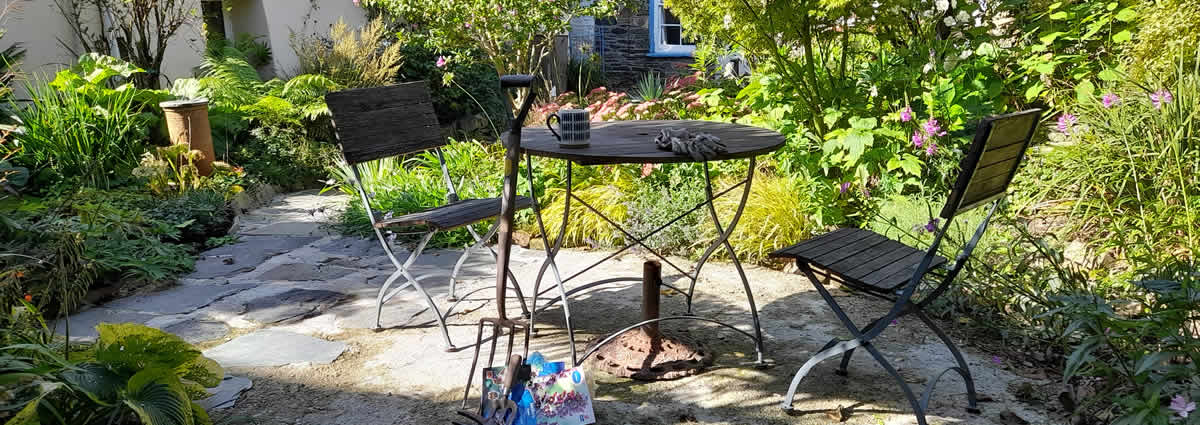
[575, 127]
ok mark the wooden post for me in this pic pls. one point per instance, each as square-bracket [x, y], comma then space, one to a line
[651, 282]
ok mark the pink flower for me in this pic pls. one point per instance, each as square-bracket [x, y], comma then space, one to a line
[647, 168]
[1109, 100]
[1066, 123]
[917, 138]
[1181, 405]
[906, 114]
[933, 128]
[930, 148]
[1160, 98]
[695, 105]
[467, 24]
[356, 3]
[441, 61]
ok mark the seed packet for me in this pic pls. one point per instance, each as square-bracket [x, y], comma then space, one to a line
[563, 398]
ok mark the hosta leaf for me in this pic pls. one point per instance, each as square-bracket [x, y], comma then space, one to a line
[128, 347]
[158, 399]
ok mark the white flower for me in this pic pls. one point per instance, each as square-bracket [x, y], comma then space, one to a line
[874, 91]
[928, 67]
[728, 21]
[949, 20]
[942, 5]
[962, 16]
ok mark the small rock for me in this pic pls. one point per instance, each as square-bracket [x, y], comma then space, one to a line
[838, 414]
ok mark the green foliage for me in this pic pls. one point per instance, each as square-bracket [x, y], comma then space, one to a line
[474, 86]
[352, 58]
[171, 169]
[585, 74]
[134, 374]
[1072, 43]
[276, 129]
[257, 53]
[82, 131]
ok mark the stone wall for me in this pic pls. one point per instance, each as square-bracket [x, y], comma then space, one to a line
[624, 42]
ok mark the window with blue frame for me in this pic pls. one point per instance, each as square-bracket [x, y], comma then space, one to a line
[666, 33]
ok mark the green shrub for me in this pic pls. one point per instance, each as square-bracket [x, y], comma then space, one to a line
[133, 374]
[662, 194]
[461, 87]
[1169, 29]
[352, 58]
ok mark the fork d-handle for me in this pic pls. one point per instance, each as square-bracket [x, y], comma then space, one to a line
[508, 199]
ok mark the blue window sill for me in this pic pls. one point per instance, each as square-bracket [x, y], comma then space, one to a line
[669, 55]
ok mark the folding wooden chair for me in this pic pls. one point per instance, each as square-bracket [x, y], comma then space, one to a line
[382, 122]
[887, 269]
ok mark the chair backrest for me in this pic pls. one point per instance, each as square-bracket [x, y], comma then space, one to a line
[381, 122]
[992, 160]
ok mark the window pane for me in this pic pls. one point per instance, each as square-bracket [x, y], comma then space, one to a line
[669, 18]
[671, 35]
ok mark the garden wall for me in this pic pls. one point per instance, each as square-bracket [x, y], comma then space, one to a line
[623, 42]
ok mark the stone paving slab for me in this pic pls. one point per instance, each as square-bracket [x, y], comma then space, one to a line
[245, 255]
[177, 300]
[305, 272]
[269, 347]
[225, 395]
[193, 329]
[293, 304]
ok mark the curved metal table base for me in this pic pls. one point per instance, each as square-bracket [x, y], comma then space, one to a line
[549, 264]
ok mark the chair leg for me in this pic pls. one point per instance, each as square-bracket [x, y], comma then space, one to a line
[831, 349]
[842, 368]
[912, 398]
[962, 369]
[402, 270]
[451, 297]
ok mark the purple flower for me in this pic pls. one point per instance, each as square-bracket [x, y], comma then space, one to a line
[441, 62]
[1160, 98]
[996, 360]
[930, 148]
[932, 225]
[906, 114]
[895, 322]
[1109, 100]
[933, 128]
[842, 188]
[467, 24]
[1182, 406]
[918, 138]
[1066, 123]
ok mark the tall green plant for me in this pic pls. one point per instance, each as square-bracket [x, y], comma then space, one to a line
[1129, 165]
[352, 58]
[78, 139]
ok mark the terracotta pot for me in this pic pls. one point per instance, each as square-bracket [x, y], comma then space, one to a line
[187, 123]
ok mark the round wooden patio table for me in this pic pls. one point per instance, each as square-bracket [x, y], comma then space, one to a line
[632, 142]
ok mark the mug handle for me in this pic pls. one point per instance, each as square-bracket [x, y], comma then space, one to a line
[551, 127]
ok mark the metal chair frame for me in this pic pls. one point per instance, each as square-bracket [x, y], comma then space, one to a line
[403, 267]
[961, 199]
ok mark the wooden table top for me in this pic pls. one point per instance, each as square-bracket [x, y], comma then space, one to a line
[632, 142]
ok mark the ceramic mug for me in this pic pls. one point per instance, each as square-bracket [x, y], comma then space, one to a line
[574, 126]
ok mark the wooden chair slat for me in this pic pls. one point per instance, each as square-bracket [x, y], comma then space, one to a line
[453, 215]
[832, 241]
[850, 250]
[381, 122]
[808, 243]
